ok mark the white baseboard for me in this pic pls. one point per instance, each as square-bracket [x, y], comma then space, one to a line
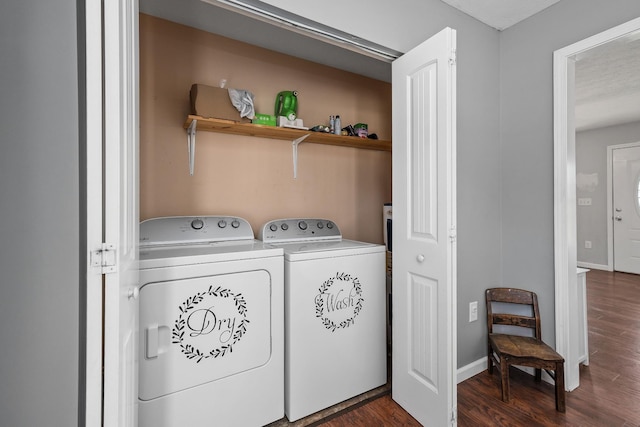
[480, 365]
[473, 368]
[594, 266]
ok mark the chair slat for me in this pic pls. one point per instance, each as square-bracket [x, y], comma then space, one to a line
[514, 320]
[511, 295]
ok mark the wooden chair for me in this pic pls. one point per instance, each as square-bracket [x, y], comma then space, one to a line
[505, 350]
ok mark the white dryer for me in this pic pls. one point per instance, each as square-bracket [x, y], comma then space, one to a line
[211, 324]
[335, 321]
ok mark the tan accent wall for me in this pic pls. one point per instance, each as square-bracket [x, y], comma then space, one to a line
[247, 176]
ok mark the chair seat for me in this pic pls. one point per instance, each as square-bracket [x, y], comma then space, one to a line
[523, 347]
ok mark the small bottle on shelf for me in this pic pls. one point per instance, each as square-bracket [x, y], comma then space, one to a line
[337, 126]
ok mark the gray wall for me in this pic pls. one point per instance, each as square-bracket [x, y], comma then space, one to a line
[478, 182]
[39, 227]
[526, 103]
[591, 160]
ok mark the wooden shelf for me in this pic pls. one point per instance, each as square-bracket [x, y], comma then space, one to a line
[249, 129]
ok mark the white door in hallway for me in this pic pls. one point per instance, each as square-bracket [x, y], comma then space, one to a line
[424, 233]
[626, 209]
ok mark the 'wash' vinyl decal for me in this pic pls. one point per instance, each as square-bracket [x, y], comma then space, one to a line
[339, 301]
[215, 319]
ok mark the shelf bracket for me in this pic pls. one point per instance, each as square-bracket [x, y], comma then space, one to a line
[295, 144]
[191, 145]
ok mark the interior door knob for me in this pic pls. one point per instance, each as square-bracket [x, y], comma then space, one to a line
[618, 218]
[420, 258]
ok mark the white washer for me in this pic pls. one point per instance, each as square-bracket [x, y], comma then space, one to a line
[211, 324]
[335, 304]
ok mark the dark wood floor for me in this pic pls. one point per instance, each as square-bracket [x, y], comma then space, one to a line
[609, 392]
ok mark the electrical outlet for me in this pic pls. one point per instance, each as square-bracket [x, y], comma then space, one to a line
[587, 244]
[473, 311]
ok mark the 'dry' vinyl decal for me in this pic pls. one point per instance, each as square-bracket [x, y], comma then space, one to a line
[210, 323]
[339, 301]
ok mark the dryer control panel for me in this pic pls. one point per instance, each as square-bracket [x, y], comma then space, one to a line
[177, 230]
[298, 230]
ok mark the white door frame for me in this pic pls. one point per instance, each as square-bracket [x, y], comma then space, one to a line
[610, 252]
[565, 190]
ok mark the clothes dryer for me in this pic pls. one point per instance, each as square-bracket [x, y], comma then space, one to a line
[335, 304]
[211, 324]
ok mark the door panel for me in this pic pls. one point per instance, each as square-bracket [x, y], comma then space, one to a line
[423, 311]
[626, 209]
[424, 280]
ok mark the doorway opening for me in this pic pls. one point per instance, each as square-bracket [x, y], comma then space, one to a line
[565, 245]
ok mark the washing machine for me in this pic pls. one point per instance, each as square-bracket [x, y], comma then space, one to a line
[335, 304]
[211, 325]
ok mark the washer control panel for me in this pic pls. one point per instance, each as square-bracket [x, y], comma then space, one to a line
[193, 229]
[299, 229]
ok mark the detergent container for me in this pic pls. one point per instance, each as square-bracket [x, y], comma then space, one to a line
[287, 104]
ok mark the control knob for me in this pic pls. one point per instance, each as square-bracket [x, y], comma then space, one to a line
[302, 225]
[197, 224]
[222, 223]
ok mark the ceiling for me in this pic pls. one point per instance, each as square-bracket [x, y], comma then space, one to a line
[500, 14]
[607, 84]
[607, 77]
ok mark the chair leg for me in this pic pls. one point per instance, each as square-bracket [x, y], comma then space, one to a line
[504, 379]
[490, 360]
[560, 393]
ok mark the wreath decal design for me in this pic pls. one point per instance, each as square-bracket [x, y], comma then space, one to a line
[333, 301]
[232, 333]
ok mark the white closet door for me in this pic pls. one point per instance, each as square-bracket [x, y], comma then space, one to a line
[424, 233]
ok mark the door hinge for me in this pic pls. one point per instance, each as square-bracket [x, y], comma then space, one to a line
[453, 234]
[104, 258]
[452, 58]
[454, 415]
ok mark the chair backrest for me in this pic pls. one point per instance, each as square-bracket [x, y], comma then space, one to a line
[513, 296]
